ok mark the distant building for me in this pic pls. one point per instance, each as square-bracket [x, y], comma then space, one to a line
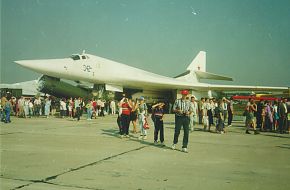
[27, 88]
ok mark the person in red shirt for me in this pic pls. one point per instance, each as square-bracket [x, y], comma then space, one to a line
[95, 109]
[126, 106]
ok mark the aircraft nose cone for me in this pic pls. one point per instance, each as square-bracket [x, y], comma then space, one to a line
[37, 65]
[45, 66]
[23, 63]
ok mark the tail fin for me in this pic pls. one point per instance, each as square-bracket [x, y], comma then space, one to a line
[198, 63]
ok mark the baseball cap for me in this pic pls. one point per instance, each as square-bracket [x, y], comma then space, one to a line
[184, 92]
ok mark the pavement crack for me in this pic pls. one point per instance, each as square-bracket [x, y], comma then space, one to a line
[15, 179]
[71, 186]
[10, 133]
[92, 164]
[21, 186]
[48, 179]
[51, 178]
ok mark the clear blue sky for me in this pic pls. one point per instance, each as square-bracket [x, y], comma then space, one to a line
[246, 39]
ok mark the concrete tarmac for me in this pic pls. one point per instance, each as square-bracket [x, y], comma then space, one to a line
[62, 154]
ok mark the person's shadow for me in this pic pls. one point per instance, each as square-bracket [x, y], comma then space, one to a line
[115, 133]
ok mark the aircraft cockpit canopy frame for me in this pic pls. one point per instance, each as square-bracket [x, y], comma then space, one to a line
[77, 57]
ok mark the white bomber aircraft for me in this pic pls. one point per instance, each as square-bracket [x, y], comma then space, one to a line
[114, 76]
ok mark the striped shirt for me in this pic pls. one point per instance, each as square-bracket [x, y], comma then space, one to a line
[183, 105]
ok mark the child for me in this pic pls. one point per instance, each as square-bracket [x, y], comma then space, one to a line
[158, 122]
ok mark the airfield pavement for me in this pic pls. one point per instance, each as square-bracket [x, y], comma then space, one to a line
[61, 154]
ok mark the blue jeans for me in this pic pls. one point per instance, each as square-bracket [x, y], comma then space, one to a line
[141, 119]
[7, 113]
[89, 113]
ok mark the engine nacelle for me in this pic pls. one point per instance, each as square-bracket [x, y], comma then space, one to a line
[58, 88]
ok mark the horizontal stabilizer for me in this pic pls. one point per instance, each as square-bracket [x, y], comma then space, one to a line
[207, 75]
[182, 74]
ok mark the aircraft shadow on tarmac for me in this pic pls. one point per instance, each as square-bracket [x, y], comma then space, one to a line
[115, 133]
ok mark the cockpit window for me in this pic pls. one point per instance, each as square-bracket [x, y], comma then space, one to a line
[79, 57]
[75, 57]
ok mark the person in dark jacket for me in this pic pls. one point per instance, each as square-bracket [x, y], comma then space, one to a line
[158, 122]
[283, 116]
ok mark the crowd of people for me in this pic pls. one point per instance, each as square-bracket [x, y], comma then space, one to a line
[48, 106]
[189, 112]
[212, 112]
[267, 116]
[136, 111]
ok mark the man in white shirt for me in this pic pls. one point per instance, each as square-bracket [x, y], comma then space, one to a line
[37, 106]
[30, 105]
[182, 111]
[193, 115]
[102, 104]
[21, 102]
[62, 108]
[113, 107]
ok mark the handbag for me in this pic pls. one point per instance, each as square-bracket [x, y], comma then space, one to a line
[146, 125]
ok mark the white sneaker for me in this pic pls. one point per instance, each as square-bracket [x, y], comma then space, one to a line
[162, 144]
[127, 136]
[141, 137]
[145, 137]
[155, 143]
[121, 136]
[173, 146]
[184, 150]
